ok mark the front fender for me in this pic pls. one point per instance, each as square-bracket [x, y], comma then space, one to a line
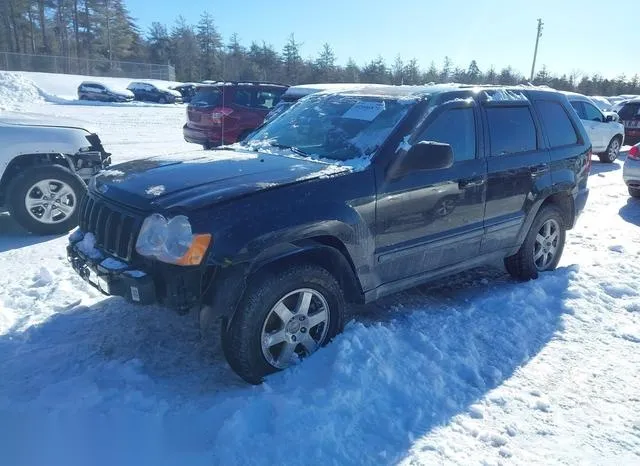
[340, 209]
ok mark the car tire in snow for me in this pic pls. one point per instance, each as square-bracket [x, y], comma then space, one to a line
[634, 192]
[542, 248]
[45, 199]
[612, 152]
[282, 317]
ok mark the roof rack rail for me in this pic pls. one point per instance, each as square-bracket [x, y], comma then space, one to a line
[254, 83]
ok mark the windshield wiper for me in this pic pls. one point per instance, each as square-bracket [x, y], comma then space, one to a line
[293, 149]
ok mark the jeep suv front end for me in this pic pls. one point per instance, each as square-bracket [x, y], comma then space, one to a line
[145, 259]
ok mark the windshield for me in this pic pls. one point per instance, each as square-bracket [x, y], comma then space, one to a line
[336, 127]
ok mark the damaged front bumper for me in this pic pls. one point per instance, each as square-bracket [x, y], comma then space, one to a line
[146, 282]
[111, 276]
[90, 160]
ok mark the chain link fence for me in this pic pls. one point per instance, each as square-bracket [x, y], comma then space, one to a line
[10, 61]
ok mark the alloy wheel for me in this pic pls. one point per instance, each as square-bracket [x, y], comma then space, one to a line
[50, 201]
[295, 327]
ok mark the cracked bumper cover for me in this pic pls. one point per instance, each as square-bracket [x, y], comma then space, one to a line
[145, 282]
[113, 277]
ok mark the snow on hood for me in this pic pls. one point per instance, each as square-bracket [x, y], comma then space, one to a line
[35, 119]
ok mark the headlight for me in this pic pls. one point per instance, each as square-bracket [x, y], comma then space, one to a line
[171, 241]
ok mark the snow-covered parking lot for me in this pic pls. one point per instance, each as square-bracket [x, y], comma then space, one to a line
[475, 369]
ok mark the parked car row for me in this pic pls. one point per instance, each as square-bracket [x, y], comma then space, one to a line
[136, 90]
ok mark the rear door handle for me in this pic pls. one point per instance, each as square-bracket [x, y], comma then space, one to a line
[471, 183]
[539, 169]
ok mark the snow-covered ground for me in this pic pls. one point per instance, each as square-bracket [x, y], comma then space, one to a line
[476, 369]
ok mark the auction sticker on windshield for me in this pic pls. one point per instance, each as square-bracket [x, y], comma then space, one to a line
[363, 110]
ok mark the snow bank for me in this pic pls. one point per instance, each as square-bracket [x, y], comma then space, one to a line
[16, 89]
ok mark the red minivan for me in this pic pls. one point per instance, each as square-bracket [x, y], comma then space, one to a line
[226, 112]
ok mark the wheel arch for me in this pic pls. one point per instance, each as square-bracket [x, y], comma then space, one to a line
[24, 161]
[562, 200]
[325, 251]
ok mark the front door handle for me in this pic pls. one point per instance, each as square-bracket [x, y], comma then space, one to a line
[540, 169]
[471, 183]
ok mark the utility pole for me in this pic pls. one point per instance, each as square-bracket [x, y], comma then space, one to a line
[535, 53]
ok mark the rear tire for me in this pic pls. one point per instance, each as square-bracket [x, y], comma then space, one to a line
[613, 150]
[634, 192]
[256, 341]
[539, 252]
[45, 214]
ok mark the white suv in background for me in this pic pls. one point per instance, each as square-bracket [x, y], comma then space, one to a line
[44, 164]
[606, 134]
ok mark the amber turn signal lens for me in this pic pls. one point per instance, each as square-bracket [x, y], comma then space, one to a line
[196, 251]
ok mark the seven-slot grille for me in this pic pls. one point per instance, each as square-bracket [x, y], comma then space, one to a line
[115, 231]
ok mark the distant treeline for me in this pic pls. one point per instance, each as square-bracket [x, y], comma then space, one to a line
[105, 29]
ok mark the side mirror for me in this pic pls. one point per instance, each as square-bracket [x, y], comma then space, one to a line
[608, 118]
[424, 155]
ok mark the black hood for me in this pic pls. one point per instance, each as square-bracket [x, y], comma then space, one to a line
[195, 179]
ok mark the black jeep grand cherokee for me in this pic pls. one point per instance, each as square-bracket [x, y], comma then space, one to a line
[346, 197]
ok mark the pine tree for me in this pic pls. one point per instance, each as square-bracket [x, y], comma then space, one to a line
[351, 72]
[397, 71]
[325, 64]
[159, 43]
[473, 73]
[210, 42]
[432, 75]
[236, 60]
[445, 74]
[292, 60]
[376, 72]
[412, 72]
[185, 51]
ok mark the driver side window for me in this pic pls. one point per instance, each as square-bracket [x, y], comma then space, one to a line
[592, 113]
[455, 127]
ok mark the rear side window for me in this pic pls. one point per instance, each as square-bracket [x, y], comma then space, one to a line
[242, 97]
[206, 96]
[511, 130]
[557, 124]
[630, 111]
[592, 113]
[457, 128]
[266, 99]
[579, 108]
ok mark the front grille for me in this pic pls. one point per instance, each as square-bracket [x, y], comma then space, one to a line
[115, 231]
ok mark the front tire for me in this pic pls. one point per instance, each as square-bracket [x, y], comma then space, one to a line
[283, 317]
[45, 199]
[542, 248]
[613, 150]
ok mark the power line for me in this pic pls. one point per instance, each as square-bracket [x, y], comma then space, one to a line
[535, 52]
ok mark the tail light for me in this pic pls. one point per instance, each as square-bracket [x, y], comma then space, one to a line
[634, 153]
[218, 114]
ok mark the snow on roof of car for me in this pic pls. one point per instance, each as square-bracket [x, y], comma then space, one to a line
[112, 87]
[495, 93]
[306, 89]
